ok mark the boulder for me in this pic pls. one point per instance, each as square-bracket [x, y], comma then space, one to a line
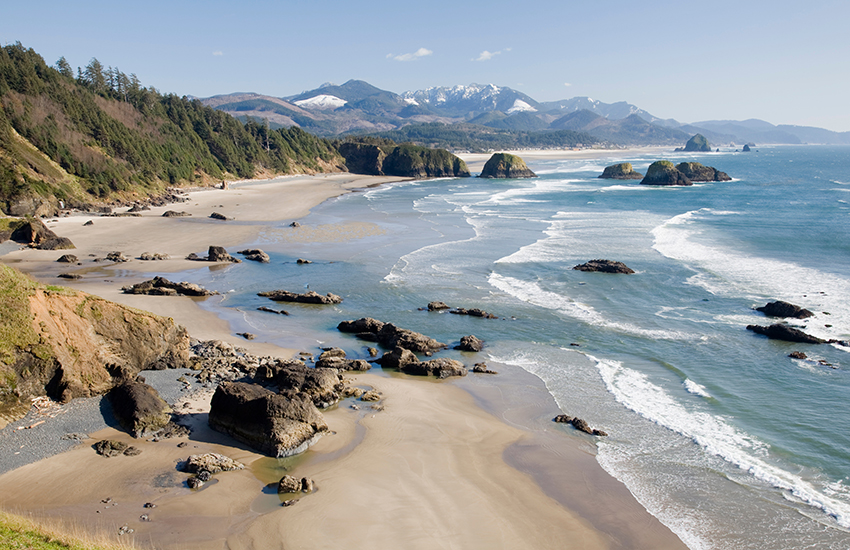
[797, 355]
[342, 364]
[72, 276]
[307, 485]
[117, 257]
[604, 266]
[662, 172]
[302, 261]
[371, 396]
[746, 148]
[784, 309]
[57, 243]
[481, 368]
[217, 216]
[470, 343]
[174, 214]
[147, 256]
[390, 336]
[437, 306]
[110, 448]
[139, 408]
[274, 424]
[579, 424]
[622, 171]
[212, 463]
[32, 232]
[441, 368]
[786, 333]
[322, 385]
[505, 165]
[397, 359]
[695, 171]
[255, 255]
[270, 310]
[309, 297]
[288, 484]
[475, 312]
[219, 254]
[68, 259]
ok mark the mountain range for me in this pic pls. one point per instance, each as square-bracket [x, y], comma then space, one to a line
[358, 107]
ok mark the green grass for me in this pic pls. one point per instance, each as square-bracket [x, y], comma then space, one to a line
[22, 533]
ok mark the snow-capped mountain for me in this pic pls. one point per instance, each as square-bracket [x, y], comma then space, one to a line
[472, 99]
[613, 111]
[323, 101]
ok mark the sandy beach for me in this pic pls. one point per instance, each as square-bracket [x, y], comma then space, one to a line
[469, 463]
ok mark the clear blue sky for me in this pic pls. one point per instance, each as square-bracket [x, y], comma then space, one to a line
[780, 61]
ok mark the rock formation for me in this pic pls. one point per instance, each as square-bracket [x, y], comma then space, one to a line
[662, 172]
[695, 171]
[470, 343]
[622, 171]
[579, 424]
[746, 148]
[389, 335]
[274, 424]
[405, 160]
[255, 255]
[321, 384]
[309, 297]
[505, 165]
[215, 254]
[160, 286]
[139, 408]
[697, 143]
[786, 333]
[784, 309]
[474, 312]
[604, 266]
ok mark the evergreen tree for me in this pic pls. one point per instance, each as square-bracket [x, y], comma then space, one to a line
[64, 67]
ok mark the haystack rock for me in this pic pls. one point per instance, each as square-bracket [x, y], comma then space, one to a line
[505, 165]
[695, 171]
[662, 172]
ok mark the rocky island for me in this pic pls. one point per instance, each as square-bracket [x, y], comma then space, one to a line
[697, 143]
[662, 172]
[622, 171]
[695, 171]
[506, 165]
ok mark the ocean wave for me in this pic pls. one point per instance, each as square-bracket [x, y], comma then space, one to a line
[723, 271]
[532, 293]
[694, 388]
[716, 436]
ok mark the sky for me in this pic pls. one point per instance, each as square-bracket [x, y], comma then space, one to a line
[780, 61]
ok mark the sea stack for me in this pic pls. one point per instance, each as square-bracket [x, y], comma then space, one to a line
[662, 172]
[695, 171]
[622, 171]
[505, 165]
[698, 144]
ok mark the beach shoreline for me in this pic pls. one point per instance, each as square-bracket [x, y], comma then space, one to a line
[468, 463]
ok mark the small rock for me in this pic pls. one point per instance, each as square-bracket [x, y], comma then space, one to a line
[144, 517]
[797, 355]
[72, 276]
[371, 395]
[246, 335]
[470, 343]
[117, 257]
[149, 505]
[437, 306]
[217, 216]
[68, 259]
[194, 482]
[110, 447]
[289, 484]
[481, 368]
[302, 261]
[88, 223]
[288, 503]
[306, 485]
[295, 224]
[132, 451]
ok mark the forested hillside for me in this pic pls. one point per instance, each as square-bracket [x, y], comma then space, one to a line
[99, 135]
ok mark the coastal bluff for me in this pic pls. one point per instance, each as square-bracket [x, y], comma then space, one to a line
[66, 344]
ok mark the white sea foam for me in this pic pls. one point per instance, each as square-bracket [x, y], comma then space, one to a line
[694, 388]
[532, 293]
[726, 272]
[716, 435]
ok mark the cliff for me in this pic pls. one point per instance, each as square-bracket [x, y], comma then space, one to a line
[66, 344]
[505, 165]
[408, 161]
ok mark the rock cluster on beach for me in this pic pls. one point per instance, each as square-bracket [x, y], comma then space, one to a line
[579, 424]
[390, 336]
[506, 165]
[160, 286]
[214, 254]
[309, 297]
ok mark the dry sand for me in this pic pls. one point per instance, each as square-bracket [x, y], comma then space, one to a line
[432, 470]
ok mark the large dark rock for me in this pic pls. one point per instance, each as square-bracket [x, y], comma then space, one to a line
[274, 424]
[32, 232]
[441, 368]
[321, 384]
[219, 254]
[505, 165]
[212, 463]
[695, 171]
[474, 312]
[309, 297]
[397, 359]
[784, 309]
[160, 286]
[746, 148]
[604, 266]
[622, 171]
[579, 424]
[470, 343]
[786, 333]
[57, 243]
[139, 408]
[110, 447]
[698, 143]
[390, 336]
[662, 172]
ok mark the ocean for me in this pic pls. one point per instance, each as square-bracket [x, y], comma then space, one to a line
[714, 429]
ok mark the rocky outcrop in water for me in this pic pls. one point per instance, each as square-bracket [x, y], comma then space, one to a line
[622, 171]
[505, 165]
[662, 172]
[470, 343]
[255, 255]
[697, 143]
[274, 424]
[604, 266]
[405, 160]
[215, 254]
[786, 333]
[784, 309]
[579, 424]
[309, 297]
[390, 336]
[695, 171]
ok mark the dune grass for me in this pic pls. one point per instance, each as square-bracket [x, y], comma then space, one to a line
[22, 533]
